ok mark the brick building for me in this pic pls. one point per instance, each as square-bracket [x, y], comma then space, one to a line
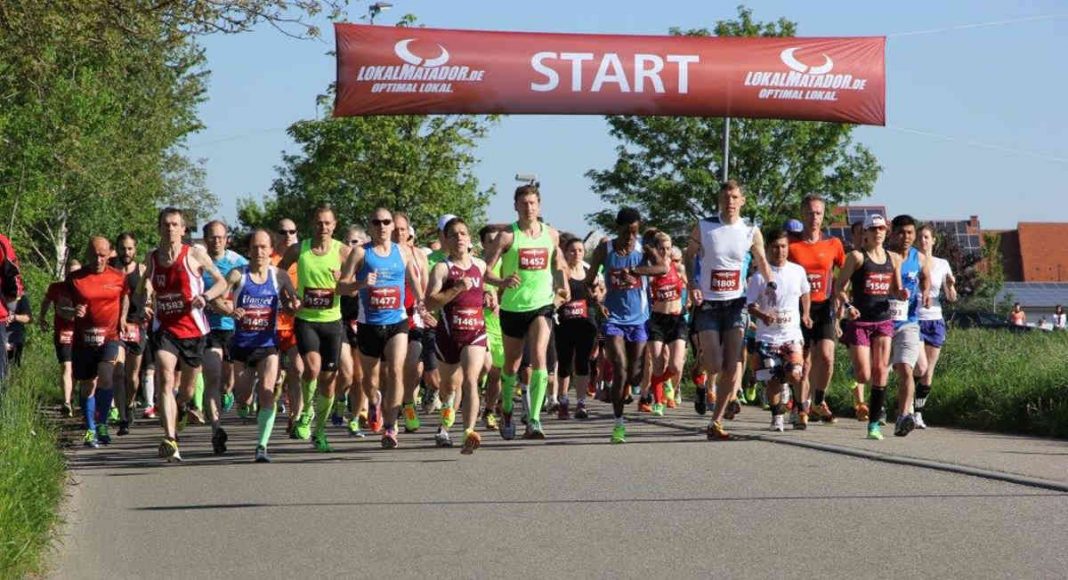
[1035, 252]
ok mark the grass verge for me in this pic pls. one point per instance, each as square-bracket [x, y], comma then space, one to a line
[32, 466]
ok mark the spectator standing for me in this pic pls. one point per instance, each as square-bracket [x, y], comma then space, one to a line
[21, 314]
[1018, 317]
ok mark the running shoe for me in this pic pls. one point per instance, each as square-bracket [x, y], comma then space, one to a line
[472, 441]
[150, 412]
[778, 423]
[90, 439]
[218, 441]
[168, 450]
[124, 428]
[490, 419]
[716, 432]
[802, 421]
[337, 414]
[905, 425]
[389, 439]
[700, 403]
[320, 443]
[534, 431]
[619, 434]
[354, 429]
[68, 410]
[882, 417]
[874, 432]
[374, 418]
[741, 397]
[822, 412]
[591, 389]
[658, 409]
[244, 411]
[645, 406]
[563, 411]
[227, 402]
[861, 411]
[751, 394]
[507, 427]
[194, 416]
[113, 415]
[302, 428]
[671, 404]
[448, 417]
[435, 404]
[553, 406]
[669, 392]
[261, 455]
[733, 408]
[442, 439]
[102, 434]
[411, 418]
[580, 411]
[918, 418]
[636, 391]
[794, 417]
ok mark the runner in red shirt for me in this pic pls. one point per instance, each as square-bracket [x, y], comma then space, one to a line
[101, 301]
[58, 294]
[174, 285]
[819, 255]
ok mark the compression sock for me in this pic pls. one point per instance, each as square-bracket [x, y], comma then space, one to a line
[878, 399]
[323, 404]
[817, 397]
[103, 402]
[198, 393]
[539, 383]
[89, 410]
[307, 391]
[265, 423]
[922, 391]
[507, 393]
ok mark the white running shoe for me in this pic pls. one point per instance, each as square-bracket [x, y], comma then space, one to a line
[918, 418]
[778, 424]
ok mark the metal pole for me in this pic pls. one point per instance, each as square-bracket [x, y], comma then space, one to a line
[726, 147]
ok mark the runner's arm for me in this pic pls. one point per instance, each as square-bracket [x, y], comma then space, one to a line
[437, 298]
[596, 262]
[144, 291]
[347, 284]
[43, 312]
[288, 258]
[761, 259]
[841, 283]
[226, 307]
[218, 284]
[497, 247]
[291, 302]
[411, 270]
[925, 282]
[561, 289]
[951, 287]
[652, 264]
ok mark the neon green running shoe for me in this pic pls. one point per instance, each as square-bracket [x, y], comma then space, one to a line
[751, 394]
[320, 442]
[303, 427]
[448, 417]
[244, 411]
[411, 418]
[669, 391]
[113, 415]
[874, 432]
[658, 410]
[619, 434]
[227, 402]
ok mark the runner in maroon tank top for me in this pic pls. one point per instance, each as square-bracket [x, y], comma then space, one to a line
[174, 286]
[456, 288]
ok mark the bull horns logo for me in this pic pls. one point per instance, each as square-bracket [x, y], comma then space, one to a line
[405, 54]
[789, 60]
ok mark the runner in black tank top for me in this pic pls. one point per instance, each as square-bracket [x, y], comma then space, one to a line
[576, 331]
[870, 286]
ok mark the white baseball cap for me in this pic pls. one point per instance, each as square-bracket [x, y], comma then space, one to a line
[444, 220]
[874, 221]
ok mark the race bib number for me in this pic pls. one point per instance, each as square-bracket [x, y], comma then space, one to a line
[726, 281]
[899, 310]
[667, 294]
[533, 258]
[815, 281]
[621, 280]
[171, 304]
[256, 319]
[65, 337]
[784, 319]
[318, 298]
[93, 337]
[466, 320]
[132, 334]
[575, 309]
[384, 298]
[877, 283]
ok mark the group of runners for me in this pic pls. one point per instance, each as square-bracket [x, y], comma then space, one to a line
[346, 331]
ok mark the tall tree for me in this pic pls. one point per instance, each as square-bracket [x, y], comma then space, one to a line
[670, 167]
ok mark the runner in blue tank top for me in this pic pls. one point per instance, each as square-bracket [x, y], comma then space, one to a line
[906, 348]
[258, 295]
[625, 271]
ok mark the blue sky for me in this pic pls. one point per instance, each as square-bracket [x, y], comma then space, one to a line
[976, 121]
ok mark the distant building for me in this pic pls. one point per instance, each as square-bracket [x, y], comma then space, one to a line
[1035, 252]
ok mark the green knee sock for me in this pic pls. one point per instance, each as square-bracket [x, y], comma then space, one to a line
[307, 389]
[507, 392]
[322, 411]
[198, 393]
[265, 423]
[539, 383]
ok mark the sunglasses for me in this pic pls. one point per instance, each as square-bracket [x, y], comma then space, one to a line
[384, 222]
[287, 232]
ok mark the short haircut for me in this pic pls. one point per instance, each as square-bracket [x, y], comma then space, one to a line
[901, 221]
[169, 211]
[525, 190]
[271, 237]
[123, 237]
[207, 227]
[730, 185]
[323, 208]
[627, 216]
[400, 214]
[812, 197]
[451, 224]
[777, 234]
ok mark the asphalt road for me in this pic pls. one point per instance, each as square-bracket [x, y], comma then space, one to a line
[668, 503]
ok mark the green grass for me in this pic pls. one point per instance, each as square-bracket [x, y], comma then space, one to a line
[32, 467]
[985, 380]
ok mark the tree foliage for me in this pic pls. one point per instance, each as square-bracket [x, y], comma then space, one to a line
[670, 167]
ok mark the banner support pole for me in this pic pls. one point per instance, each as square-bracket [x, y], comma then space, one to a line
[726, 147]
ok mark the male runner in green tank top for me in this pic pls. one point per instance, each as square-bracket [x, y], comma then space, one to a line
[318, 321]
[532, 272]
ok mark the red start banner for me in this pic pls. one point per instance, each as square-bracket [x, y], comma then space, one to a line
[386, 70]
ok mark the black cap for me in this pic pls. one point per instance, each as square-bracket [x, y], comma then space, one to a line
[627, 216]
